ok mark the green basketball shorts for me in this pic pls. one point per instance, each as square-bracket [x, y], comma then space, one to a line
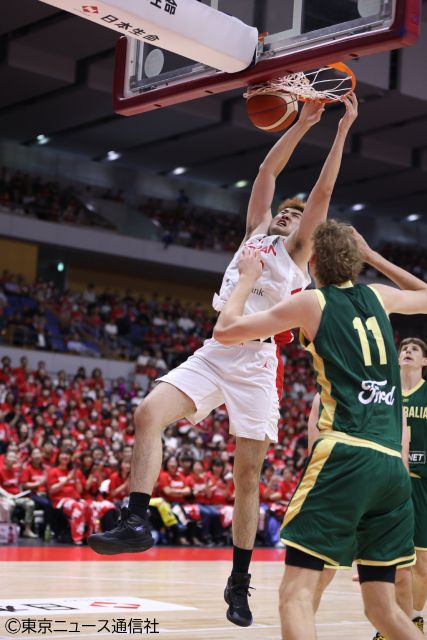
[352, 503]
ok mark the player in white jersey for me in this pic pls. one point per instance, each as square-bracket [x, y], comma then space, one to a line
[243, 377]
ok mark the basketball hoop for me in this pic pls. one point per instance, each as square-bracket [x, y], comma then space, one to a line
[331, 83]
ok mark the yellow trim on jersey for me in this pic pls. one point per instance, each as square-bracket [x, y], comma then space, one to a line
[326, 418]
[345, 438]
[318, 459]
[291, 543]
[414, 475]
[379, 296]
[321, 298]
[409, 392]
[344, 285]
[385, 563]
[420, 549]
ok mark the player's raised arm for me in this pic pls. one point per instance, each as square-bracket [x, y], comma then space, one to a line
[232, 327]
[402, 301]
[259, 209]
[403, 279]
[299, 243]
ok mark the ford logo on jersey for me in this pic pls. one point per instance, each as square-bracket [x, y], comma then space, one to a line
[373, 392]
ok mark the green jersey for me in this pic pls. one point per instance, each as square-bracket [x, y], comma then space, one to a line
[358, 373]
[415, 408]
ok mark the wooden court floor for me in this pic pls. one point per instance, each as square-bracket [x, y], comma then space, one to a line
[187, 585]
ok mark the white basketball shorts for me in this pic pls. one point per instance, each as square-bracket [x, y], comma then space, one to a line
[242, 377]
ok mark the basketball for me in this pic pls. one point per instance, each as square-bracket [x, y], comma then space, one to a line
[273, 111]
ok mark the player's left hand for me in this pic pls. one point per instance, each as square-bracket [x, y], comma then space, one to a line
[311, 113]
[364, 248]
[351, 111]
[250, 264]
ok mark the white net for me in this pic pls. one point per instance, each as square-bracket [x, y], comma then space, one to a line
[328, 84]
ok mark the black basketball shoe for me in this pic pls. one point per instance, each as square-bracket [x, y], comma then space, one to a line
[236, 596]
[131, 535]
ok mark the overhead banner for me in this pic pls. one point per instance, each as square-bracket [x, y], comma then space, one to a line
[186, 27]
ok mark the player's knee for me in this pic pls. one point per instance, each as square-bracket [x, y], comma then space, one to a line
[144, 416]
[246, 476]
[421, 568]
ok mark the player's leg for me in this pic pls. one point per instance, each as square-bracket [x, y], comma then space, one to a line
[381, 608]
[325, 580]
[404, 590]
[164, 405]
[248, 459]
[297, 594]
[419, 585]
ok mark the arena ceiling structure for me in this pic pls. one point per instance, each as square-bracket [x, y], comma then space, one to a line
[56, 77]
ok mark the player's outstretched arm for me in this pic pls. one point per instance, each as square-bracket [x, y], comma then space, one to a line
[402, 301]
[403, 279]
[299, 243]
[232, 327]
[259, 209]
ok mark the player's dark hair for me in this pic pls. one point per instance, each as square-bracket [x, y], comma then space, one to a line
[337, 257]
[420, 343]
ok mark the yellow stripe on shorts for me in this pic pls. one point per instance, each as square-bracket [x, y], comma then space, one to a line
[320, 456]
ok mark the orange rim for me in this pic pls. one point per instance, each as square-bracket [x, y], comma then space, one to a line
[339, 66]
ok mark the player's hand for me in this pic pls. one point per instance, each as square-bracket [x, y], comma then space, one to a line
[351, 111]
[250, 264]
[364, 248]
[311, 113]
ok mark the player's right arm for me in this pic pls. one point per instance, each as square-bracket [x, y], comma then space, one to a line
[401, 278]
[402, 301]
[259, 215]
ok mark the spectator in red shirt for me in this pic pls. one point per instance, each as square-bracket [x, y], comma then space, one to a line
[198, 482]
[171, 482]
[10, 489]
[65, 487]
[119, 483]
[34, 478]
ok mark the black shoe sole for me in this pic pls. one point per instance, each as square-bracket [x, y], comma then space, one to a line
[240, 622]
[108, 548]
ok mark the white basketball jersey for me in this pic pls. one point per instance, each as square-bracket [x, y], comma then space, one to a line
[279, 279]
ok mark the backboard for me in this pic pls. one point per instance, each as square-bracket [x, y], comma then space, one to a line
[301, 35]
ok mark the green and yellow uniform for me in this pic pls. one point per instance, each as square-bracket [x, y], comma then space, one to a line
[415, 408]
[353, 500]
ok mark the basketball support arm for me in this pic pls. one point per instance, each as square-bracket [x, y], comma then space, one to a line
[186, 27]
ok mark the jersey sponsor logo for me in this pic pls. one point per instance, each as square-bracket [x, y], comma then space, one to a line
[416, 412]
[373, 393]
[417, 457]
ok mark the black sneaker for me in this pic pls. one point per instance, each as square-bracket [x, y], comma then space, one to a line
[378, 636]
[132, 534]
[419, 623]
[236, 596]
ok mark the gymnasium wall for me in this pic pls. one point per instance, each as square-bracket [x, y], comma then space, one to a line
[19, 257]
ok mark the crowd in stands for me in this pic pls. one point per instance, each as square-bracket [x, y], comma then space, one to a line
[104, 324]
[46, 200]
[194, 227]
[66, 445]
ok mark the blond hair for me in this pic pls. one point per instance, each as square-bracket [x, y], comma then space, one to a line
[336, 253]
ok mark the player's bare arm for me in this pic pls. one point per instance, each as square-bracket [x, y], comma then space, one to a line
[403, 279]
[259, 209]
[232, 327]
[299, 244]
[402, 301]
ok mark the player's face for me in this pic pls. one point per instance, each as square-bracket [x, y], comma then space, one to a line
[411, 355]
[285, 222]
